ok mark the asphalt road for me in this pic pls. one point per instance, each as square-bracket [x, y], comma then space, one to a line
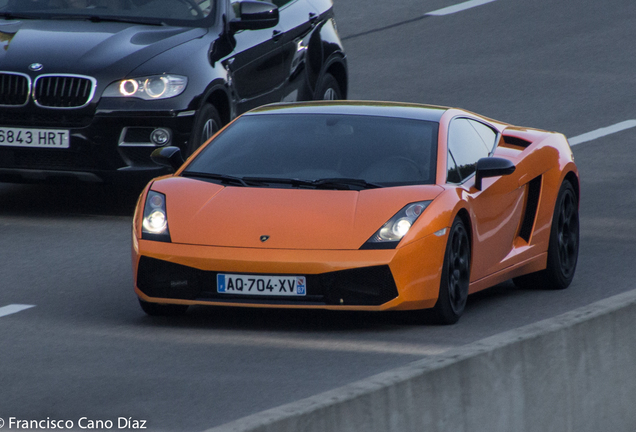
[87, 350]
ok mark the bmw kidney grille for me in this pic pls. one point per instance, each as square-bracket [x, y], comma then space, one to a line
[49, 91]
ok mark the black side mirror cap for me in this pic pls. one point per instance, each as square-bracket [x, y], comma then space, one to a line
[255, 15]
[492, 167]
[168, 156]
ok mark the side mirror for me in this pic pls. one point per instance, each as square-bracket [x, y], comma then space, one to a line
[168, 156]
[492, 167]
[255, 15]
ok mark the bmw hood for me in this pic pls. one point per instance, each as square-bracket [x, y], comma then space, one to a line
[203, 213]
[84, 47]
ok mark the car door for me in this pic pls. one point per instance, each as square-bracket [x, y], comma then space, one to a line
[496, 209]
[297, 18]
[256, 66]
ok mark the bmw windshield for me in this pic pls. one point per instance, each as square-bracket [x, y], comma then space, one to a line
[320, 150]
[171, 12]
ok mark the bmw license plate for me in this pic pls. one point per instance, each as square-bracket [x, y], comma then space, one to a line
[261, 285]
[40, 138]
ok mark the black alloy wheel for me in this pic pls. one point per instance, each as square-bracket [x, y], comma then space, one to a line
[567, 233]
[208, 123]
[563, 249]
[453, 289]
[159, 309]
[328, 89]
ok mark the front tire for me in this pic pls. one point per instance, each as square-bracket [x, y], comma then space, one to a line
[208, 123]
[328, 89]
[160, 309]
[563, 249]
[453, 289]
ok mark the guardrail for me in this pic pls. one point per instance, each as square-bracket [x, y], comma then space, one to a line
[574, 372]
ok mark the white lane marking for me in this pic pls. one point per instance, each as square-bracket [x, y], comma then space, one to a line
[459, 7]
[598, 133]
[13, 308]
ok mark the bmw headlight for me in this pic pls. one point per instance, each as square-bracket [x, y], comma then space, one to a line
[148, 88]
[154, 225]
[392, 232]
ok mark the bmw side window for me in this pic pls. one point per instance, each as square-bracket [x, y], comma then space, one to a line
[466, 147]
[488, 135]
[235, 8]
[280, 3]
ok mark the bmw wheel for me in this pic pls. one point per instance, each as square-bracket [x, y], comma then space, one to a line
[328, 89]
[208, 123]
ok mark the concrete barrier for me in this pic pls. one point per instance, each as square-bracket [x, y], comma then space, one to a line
[575, 372]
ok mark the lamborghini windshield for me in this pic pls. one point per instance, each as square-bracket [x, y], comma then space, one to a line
[320, 150]
[176, 12]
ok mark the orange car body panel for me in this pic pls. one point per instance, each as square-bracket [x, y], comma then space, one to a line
[217, 228]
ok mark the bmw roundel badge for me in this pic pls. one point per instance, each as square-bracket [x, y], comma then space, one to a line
[36, 67]
[264, 238]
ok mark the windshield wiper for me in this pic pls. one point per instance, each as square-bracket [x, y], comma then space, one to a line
[325, 183]
[95, 18]
[268, 180]
[11, 15]
[344, 183]
[225, 179]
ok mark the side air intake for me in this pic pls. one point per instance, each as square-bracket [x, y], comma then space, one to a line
[532, 204]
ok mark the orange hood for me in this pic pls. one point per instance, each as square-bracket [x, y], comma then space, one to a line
[204, 213]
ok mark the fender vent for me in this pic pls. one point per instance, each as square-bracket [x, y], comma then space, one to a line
[532, 203]
[517, 142]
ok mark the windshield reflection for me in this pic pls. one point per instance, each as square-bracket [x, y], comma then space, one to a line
[168, 10]
[322, 151]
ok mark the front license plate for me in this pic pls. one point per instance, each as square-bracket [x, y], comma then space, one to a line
[261, 285]
[40, 138]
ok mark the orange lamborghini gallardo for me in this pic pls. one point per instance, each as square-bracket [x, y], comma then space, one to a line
[357, 206]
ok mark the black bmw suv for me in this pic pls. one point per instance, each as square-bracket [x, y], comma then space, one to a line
[89, 88]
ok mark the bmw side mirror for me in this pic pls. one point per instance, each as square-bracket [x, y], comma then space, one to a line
[492, 167]
[168, 156]
[255, 15]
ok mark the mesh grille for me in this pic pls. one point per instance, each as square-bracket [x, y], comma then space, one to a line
[14, 89]
[59, 91]
[51, 118]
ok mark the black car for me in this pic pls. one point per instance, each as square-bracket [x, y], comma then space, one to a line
[89, 88]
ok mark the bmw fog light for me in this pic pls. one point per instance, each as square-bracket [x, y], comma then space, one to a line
[160, 137]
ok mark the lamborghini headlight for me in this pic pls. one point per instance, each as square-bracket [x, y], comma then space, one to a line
[148, 88]
[392, 232]
[154, 225]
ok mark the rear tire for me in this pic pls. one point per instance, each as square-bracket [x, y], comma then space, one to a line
[563, 249]
[328, 89]
[160, 309]
[453, 289]
[207, 123]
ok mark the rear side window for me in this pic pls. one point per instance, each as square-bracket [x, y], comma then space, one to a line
[488, 135]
